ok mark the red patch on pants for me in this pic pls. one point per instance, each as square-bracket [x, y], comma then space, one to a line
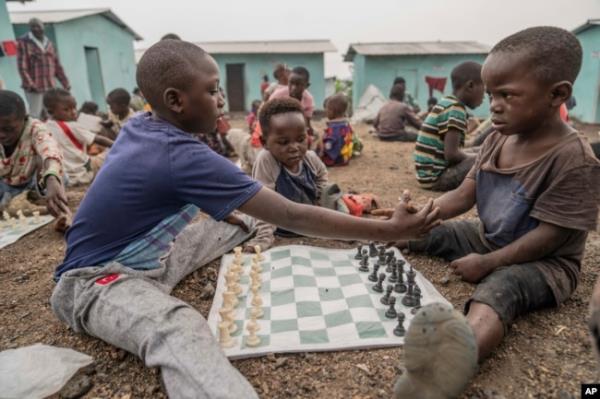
[108, 279]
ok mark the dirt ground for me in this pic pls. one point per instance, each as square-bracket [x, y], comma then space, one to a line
[546, 354]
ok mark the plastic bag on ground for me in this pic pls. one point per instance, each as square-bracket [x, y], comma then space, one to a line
[38, 371]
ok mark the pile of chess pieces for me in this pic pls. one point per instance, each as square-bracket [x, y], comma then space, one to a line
[227, 326]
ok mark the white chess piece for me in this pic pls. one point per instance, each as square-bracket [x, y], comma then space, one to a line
[230, 299]
[5, 215]
[257, 300]
[253, 339]
[36, 217]
[224, 335]
[259, 256]
[21, 217]
[227, 316]
[256, 312]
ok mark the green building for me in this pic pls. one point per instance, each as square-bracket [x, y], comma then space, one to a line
[379, 63]
[243, 64]
[9, 75]
[95, 48]
[587, 85]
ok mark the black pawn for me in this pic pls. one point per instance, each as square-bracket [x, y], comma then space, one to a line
[400, 264]
[373, 276]
[379, 286]
[372, 250]
[388, 293]
[411, 274]
[364, 264]
[400, 287]
[394, 277]
[381, 260]
[390, 261]
[416, 289]
[359, 254]
[391, 312]
[399, 331]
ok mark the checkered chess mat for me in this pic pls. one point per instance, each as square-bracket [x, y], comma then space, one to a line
[11, 232]
[314, 299]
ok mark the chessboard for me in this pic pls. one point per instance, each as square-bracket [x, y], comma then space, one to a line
[300, 298]
[12, 229]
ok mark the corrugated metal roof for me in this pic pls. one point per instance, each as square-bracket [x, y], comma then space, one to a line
[588, 24]
[58, 16]
[415, 48]
[269, 47]
[262, 47]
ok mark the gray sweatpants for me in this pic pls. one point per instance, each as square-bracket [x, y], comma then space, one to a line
[133, 310]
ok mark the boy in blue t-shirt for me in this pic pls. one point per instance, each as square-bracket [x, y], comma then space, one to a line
[136, 233]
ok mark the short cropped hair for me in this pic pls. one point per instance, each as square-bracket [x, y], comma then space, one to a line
[397, 93]
[89, 107]
[11, 104]
[170, 36]
[399, 79]
[300, 70]
[554, 54]
[55, 96]
[465, 72]
[168, 63]
[275, 107]
[432, 101]
[338, 103]
[119, 96]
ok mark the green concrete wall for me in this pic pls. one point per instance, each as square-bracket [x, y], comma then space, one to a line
[115, 47]
[8, 65]
[381, 71]
[257, 65]
[587, 86]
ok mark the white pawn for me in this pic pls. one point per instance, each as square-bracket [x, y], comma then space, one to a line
[259, 256]
[230, 299]
[21, 217]
[36, 217]
[253, 339]
[227, 316]
[256, 312]
[257, 300]
[6, 216]
[224, 335]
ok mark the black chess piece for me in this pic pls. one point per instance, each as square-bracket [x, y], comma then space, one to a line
[373, 276]
[381, 260]
[359, 254]
[417, 303]
[416, 289]
[379, 286]
[385, 299]
[411, 274]
[394, 277]
[364, 264]
[372, 250]
[400, 263]
[399, 331]
[400, 287]
[409, 298]
[390, 261]
[391, 312]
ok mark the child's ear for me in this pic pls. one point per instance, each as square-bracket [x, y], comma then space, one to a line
[172, 100]
[561, 92]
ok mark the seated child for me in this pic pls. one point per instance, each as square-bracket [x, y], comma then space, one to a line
[252, 117]
[394, 117]
[89, 108]
[137, 103]
[440, 163]
[30, 159]
[73, 138]
[431, 102]
[536, 186]
[135, 234]
[281, 73]
[338, 141]
[119, 111]
[285, 164]
[400, 84]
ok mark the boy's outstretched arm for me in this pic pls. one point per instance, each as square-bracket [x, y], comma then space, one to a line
[536, 244]
[451, 204]
[315, 221]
